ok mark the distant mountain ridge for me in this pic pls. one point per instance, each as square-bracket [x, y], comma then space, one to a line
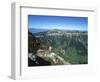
[57, 32]
[32, 30]
[37, 30]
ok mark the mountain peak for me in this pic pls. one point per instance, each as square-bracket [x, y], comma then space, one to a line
[55, 31]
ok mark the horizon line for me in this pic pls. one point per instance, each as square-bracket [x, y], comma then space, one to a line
[59, 29]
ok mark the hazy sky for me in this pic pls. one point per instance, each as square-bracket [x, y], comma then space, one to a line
[58, 22]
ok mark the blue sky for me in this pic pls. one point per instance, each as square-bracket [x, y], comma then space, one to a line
[58, 22]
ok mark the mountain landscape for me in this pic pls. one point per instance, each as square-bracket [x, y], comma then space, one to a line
[57, 47]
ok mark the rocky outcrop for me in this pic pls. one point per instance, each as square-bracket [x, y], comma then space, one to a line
[33, 46]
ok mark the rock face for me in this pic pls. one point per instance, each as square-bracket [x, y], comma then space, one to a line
[39, 62]
[33, 43]
[33, 46]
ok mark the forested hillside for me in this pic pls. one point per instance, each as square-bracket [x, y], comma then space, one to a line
[67, 47]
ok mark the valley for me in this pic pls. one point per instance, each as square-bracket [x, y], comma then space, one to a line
[59, 47]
